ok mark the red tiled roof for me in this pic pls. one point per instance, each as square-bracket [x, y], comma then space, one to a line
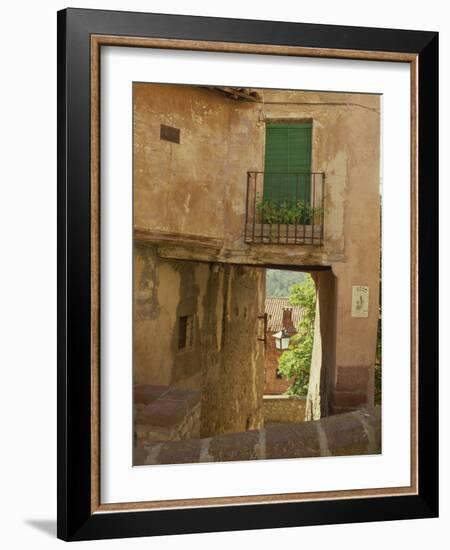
[274, 309]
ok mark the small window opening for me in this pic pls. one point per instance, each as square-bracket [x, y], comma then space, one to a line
[185, 331]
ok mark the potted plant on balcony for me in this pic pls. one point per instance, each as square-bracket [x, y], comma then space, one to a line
[285, 213]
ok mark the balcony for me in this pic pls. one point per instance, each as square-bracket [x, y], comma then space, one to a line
[285, 208]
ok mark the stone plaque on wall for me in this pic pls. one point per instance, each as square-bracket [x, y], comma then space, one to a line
[360, 301]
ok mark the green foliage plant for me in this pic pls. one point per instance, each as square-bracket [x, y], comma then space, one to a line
[295, 363]
[286, 212]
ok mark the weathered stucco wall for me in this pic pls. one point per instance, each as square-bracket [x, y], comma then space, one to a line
[190, 201]
[225, 360]
[322, 373]
[197, 188]
[163, 292]
[173, 183]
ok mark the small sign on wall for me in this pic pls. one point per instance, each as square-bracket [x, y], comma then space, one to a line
[360, 301]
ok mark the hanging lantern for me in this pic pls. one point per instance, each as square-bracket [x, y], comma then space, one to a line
[282, 340]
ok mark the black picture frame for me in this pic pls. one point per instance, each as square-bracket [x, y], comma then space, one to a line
[75, 519]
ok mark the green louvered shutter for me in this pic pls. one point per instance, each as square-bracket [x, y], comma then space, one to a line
[288, 161]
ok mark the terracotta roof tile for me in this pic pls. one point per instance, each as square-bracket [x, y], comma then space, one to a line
[274, 309]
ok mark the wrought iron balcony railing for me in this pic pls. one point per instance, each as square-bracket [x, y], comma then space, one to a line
[285, 208]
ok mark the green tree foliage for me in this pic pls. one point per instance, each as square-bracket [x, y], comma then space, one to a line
[295, 363]
[279, 282]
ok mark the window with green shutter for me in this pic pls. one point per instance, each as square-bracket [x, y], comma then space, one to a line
[288, 162]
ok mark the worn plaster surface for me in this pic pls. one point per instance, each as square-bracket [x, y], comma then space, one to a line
[225, 359]
[190, 205]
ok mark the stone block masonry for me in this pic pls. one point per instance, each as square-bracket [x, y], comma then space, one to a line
[165, 413]
[283, 408]
[221, 356]
[353, 433]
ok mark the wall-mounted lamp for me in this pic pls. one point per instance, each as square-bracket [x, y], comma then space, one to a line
[282, 340]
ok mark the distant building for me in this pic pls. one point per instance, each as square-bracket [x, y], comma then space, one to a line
[281, 314]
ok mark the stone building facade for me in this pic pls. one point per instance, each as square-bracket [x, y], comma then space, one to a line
[199, 285]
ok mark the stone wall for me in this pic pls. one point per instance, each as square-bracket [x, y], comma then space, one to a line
[224, 359]
[204, 201]
[163, 292]
[165, 413]
[232, 356]
[347, 434]
[283, 408]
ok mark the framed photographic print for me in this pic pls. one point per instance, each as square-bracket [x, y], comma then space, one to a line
[247, 253]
